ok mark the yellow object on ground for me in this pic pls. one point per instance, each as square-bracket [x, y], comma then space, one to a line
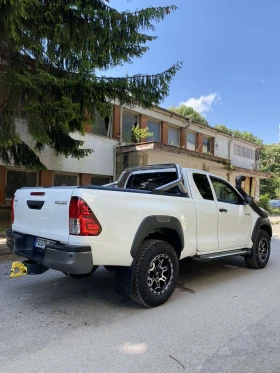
[18, 269]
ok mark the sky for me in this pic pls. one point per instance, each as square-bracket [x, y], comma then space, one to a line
[230, 51]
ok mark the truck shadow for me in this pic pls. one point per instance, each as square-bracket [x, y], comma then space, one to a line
[53, 289]
[194, 273]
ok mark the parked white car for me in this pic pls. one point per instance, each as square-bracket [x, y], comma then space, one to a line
[140, 226]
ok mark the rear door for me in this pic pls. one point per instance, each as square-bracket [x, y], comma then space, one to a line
[235, 219]
[43, 212]
[207, 214]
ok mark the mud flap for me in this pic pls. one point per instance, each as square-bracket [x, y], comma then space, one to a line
[124, 280]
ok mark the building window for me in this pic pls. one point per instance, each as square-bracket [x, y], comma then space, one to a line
[129, 121]
[96, 180]
[65, 180]
[19, 179]
[206, 145]
[100, 126]
[241, 151]
[191, 141]
[173, 136]
[154, 127]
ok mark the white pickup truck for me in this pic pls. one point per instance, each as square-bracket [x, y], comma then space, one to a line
[140, 226]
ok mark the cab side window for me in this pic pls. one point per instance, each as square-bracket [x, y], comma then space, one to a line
[203, 185]
[225, 192]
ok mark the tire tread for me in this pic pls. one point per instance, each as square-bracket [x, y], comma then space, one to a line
[252, 262]
[145, 248]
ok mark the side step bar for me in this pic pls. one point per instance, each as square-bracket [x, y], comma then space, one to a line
[224, 254]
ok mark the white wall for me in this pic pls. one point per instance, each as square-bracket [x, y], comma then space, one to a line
[100, 162]
[222, 150]
[241, 161]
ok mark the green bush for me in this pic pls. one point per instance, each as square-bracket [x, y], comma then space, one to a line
[140, 133]
[264, 203]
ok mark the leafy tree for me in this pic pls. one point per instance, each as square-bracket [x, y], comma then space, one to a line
[244, 135]
[50, 55]
[264, 203]
[270, 162]
[189, 112]
[223, 128]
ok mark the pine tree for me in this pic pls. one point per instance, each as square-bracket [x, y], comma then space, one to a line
[50, 54]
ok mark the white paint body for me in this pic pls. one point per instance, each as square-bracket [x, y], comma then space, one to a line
[205, 228]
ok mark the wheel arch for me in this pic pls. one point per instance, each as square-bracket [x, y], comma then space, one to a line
[161, 227]
[262, 223]
[268, 229]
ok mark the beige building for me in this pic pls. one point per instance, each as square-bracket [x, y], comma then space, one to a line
[175, 139]
[190, 144]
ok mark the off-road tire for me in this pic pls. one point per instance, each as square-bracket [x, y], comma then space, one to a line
[152, 252]
[260, 251]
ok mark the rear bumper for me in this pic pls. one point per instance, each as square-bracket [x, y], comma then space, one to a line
[65, 258]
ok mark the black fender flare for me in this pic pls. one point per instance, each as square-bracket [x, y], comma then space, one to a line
[262, 222]
[153, 223]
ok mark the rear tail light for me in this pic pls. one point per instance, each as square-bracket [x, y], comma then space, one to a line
[82, 221]
[13, 209]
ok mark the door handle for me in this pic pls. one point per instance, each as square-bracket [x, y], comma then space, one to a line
[222, 210]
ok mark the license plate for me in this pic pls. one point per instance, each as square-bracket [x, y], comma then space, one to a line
[42, 242]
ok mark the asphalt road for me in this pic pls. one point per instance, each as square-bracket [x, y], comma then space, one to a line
[223, 317]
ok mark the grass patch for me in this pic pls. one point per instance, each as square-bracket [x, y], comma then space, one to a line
[275, 212]
[4, 225]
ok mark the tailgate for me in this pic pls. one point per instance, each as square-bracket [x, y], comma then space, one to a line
[43, 212]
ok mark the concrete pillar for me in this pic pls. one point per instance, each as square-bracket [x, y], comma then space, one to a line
[183, 137]
[116, 121]
[85, 179]
[212, 146]
[46, 178]
[164, 133]
[143, 123]
[199, 143]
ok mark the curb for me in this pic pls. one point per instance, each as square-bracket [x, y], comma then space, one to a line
[4, 250]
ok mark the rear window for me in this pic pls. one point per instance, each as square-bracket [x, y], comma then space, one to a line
[150, 181]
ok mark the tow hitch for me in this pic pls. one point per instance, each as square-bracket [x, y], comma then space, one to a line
[27, 267]
[18, 269]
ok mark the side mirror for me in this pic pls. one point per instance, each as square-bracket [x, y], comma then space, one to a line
[239, 180]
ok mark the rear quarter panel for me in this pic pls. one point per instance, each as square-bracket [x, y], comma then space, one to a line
[120, 215]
